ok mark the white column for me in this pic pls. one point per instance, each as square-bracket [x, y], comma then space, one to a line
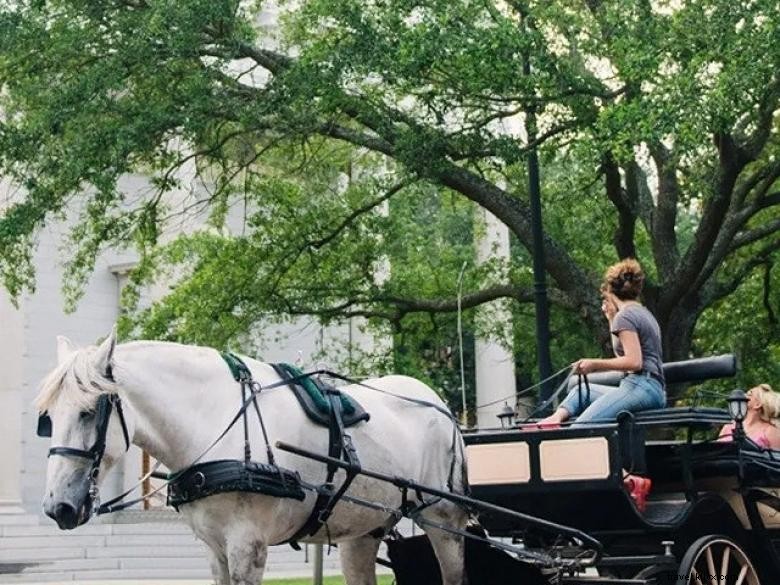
[495, 372]
[11, 374]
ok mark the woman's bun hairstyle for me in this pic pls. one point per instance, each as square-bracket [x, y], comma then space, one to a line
[625, 279]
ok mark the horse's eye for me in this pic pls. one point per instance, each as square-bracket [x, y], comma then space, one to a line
[86, 416]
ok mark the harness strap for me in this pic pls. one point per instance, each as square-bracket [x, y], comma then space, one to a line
[114, 505]
[580, 379]
[345, 448]
[121, 414]
[339, 444]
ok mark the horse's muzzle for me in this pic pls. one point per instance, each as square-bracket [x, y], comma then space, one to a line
[67, 515]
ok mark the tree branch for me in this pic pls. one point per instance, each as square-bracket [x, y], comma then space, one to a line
[403, 306]
[468, 301]
[751, 236]
[725, 288]
[770, 312]
[664, 217]
[700, 260]
[624, 234]
[357, 138]
[317, 244]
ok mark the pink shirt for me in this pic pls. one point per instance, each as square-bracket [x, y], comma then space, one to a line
[758, 438]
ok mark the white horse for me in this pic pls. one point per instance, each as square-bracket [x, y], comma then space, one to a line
[176, 400]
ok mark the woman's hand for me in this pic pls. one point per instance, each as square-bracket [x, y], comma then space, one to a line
[609, 307]
[585, 366]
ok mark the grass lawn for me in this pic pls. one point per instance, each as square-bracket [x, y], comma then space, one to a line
[381, 580]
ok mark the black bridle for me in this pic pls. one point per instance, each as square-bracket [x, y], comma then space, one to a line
[105, 405]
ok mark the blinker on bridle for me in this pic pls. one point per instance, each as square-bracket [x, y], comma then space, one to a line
[105, 404]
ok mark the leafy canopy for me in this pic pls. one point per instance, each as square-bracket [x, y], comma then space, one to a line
[656, 124]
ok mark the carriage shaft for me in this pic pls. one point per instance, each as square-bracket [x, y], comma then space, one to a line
[404, 483]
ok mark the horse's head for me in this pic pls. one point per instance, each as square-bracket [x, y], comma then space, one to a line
[88, 427]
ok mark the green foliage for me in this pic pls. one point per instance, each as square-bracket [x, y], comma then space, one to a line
[747, 325]
[334, 168]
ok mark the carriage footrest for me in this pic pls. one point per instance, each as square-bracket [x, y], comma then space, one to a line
[229, 475]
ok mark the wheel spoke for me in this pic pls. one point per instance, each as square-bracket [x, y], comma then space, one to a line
[695, 575]
[742, 573]
[710, 566]
[724, 564]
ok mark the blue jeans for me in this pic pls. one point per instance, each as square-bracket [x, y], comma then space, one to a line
[636, 392]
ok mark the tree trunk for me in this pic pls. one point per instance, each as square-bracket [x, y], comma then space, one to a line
[677, 337]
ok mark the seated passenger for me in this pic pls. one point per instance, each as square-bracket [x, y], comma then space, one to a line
[636, 341]
[761, 421]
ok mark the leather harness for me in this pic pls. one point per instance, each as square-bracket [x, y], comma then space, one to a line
[205, 479]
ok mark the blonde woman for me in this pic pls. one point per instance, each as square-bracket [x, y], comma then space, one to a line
[760, 424]
[636, 341]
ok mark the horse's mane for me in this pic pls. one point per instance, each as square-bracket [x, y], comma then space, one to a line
[77, 380]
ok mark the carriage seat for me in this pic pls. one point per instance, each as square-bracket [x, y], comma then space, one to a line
[690, 371]
[698, 417]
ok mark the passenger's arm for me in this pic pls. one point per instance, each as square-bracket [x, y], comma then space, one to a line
[630, 361]
[773, 434]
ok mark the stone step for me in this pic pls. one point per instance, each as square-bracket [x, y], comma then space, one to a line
[70, 540]
[20, 555]
[129, 552]
[195, 563]
[67, 565]
[39, 551]
[18, 520]
[52, 530]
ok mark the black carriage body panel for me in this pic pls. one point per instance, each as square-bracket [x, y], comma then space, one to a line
[551, 499]
[691, 480]
[535, 439]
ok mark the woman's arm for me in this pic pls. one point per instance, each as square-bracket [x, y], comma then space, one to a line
[630, 361]
[773, 436]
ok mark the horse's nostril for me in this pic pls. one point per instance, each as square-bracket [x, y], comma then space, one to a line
[66, 516]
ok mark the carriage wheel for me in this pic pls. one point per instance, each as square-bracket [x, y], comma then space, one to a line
[716, 560]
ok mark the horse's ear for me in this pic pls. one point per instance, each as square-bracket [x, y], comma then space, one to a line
[65, 347]
[105, 352]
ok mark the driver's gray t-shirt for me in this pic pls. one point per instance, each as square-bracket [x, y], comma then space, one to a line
[638, 319]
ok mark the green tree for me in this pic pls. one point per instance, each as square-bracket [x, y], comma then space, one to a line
[658, 122]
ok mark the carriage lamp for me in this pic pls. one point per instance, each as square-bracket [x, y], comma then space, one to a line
[506, 415]
[737, 402]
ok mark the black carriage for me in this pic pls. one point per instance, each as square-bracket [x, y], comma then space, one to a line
[711, 517]
[553, 508]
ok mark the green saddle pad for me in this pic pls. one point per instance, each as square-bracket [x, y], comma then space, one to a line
[310, 395]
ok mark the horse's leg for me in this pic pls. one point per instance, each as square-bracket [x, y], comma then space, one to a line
[246, 555]
[219, 566]
[450, 548]
[450, 552]
[358, 560]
